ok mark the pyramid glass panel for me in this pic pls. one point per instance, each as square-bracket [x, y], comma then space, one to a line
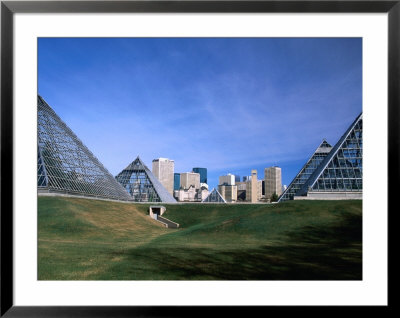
[214, 197]
[142, 185]
[318, 156]
[341, 171]
[66, 165]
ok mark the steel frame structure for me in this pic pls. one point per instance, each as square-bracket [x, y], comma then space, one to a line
[66, 165]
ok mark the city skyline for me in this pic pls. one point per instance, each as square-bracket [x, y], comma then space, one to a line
[228, 105]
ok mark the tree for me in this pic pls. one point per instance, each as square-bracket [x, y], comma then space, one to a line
[274, 197]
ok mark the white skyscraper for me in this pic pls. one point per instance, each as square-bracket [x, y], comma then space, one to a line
[163, 170]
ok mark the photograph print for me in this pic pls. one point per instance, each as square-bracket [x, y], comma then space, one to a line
[199, 158]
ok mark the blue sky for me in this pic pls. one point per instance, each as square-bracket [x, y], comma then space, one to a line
[227, 104]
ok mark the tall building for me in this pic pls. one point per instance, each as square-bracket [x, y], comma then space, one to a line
[66, 165]
[273, 181]
[177, 181]
[228, 192]
[190, 179]
[163, 170]
[252, 188]
[229, 179]
[237, 178]
[203, 174]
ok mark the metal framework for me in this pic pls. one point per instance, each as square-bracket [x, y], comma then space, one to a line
[66, 165]
[214, 197]
[304, 174]
[142, 185]
[341, 170]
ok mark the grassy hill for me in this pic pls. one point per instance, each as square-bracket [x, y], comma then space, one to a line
[80, 239]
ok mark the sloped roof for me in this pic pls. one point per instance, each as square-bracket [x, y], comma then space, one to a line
[305, 172]
[129, 175]
[214, 196]
[340, 148]
[66, 165]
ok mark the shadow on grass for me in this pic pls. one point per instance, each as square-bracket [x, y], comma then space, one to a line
[330, 253]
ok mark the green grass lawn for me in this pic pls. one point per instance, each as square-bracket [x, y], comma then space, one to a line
[80, 239]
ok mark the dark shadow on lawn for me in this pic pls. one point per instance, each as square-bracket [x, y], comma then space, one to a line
[330, 253]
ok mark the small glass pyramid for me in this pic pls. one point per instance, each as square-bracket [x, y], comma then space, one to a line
[142, 185]
[214, 197]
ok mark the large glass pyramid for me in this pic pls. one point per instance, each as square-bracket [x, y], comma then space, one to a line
[341, 170]
[65, 165]
[142, 185]
[304, 174]
[214, 197]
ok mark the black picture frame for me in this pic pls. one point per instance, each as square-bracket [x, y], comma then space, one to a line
[8, 8]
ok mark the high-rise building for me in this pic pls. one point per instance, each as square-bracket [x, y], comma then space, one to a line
[237, 178]
[203, 174]
[273, 181]
[252, 188]
[190, 179]
[228, 192]
[177, 181]
[163, 170]
[229, 179]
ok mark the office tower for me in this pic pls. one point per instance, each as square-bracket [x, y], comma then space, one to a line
[229, 179]
[190, 179]
[203, 174]
[142, 185]
[228, 192]
[273, 181]
[252, 188]
[163, 170]
[65, 165]
[177, 181]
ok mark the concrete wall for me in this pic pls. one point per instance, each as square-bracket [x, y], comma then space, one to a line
[331, 196]
[190, 179]
[154, 208]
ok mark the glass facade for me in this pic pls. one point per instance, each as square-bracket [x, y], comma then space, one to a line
[330, 170]
[318, 156]
[344, 170]
[203, 174]
[214, 197]
[177, 181]
[142, 185]
[66, 165]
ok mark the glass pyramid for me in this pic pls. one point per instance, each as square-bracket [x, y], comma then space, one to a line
[341, 170]
[65, 165]
[142, 185]
[214, 197]
[304, 174]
